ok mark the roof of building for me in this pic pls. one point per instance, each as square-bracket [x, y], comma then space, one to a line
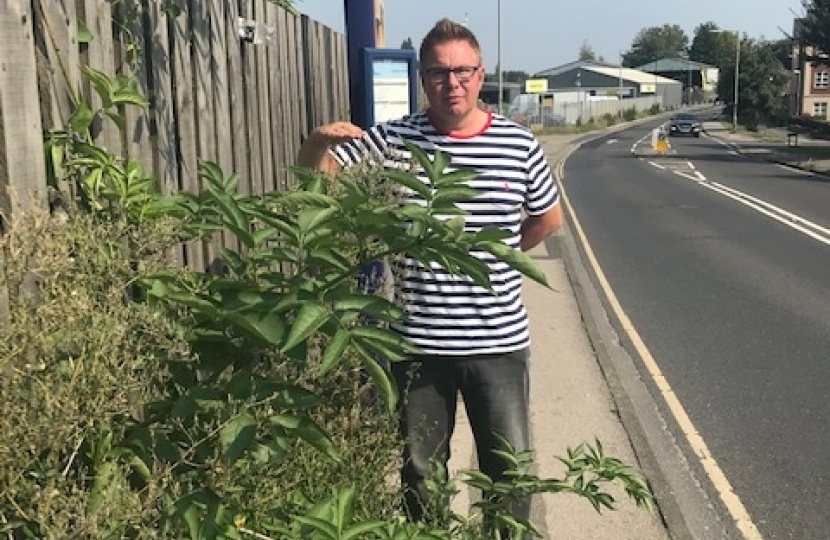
[578, 64]
[674, 64]
[611, 70]
[633, 75]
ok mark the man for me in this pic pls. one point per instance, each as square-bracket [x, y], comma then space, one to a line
[474, 341]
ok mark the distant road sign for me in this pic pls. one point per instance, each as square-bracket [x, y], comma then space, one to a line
[536, 86]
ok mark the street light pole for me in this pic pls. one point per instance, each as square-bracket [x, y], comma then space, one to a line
[498, 54]
[737, 76]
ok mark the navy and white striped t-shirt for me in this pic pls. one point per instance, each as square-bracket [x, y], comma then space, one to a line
[445, 314]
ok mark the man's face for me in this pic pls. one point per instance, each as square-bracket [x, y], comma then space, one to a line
[452, 77]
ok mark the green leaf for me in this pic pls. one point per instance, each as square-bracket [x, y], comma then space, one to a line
[491, 234]
[383, 336]
[279, 222]
[267, 326]
[360, 529]
[102, 84]
[412, 182]
[311, 218]
[381, 377]
[370, 305]
[117, 119]
[84, 35]
[305, 428]
[303, 199]
[459, 176]
[235, 262]
[454, 194]
[211, 172]
[103, 479]
[263, 235]
[516, 259]
[171, 8]
[319, 525]
[127, 93]
[200, 303]
[423, 160]
[311, 317]
[82, 117]
[334, 351]
[466, 265]
[189, 510]
[288, 396]
[332, 257]
[236, 436]
[343, 504]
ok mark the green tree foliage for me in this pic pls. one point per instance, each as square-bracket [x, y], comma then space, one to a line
[761, 84]
[510, 76]
[586, 52]
[713, 46]
[816, 24]
[782, 49]
[407, 44]
[654, 43]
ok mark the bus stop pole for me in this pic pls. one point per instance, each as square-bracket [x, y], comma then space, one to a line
[360, 34]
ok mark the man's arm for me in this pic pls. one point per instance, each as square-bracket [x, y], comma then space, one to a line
[537, 228]
[314, 152]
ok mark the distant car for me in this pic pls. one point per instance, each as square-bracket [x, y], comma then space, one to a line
[685, 124]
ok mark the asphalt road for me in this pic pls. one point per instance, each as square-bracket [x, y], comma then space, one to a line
[722, 265]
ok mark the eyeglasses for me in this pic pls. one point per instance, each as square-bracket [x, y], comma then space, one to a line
[441, 74]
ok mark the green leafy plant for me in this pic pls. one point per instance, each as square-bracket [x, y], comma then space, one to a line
[258, 315]
[220, 405]
[95, 177]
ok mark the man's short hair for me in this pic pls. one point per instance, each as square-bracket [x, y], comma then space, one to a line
[446, 30]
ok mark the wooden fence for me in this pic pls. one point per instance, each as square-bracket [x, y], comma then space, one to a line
[212, 96]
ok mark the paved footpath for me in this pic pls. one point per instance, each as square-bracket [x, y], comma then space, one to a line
[570, 403]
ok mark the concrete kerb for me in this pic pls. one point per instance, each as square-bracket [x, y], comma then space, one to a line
[683, 504]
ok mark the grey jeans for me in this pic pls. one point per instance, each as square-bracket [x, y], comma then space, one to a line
[496, 393]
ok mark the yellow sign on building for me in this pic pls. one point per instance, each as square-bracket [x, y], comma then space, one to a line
[536, 86]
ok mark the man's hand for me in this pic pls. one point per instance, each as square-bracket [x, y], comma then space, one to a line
[537, 228]
[314, 153]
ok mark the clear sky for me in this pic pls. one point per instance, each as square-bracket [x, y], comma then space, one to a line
[539, 34]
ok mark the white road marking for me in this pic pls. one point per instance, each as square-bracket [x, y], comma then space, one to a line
[794, 221]
[721, 484]
[657, 165]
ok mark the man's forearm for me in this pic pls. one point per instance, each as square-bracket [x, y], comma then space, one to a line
[536, 228]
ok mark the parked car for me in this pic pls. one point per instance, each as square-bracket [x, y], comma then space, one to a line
[685, 124]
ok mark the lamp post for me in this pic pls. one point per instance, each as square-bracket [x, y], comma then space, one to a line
[689, 78]
[498, 56]
[737, 77]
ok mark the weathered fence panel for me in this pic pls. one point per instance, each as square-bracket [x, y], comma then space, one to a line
[22, 169]
[211, 96]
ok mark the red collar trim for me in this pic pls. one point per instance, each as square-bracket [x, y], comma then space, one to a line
[485, 127]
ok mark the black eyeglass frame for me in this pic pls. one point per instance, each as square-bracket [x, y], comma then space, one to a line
[441, 74]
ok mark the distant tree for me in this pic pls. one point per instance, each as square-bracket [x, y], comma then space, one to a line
[586, 52]
[817, 24]
[760, 86]
[511, 76]
[407, 44]
[713, 46]
[514, 76]
[655, 43]
[782, 49]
